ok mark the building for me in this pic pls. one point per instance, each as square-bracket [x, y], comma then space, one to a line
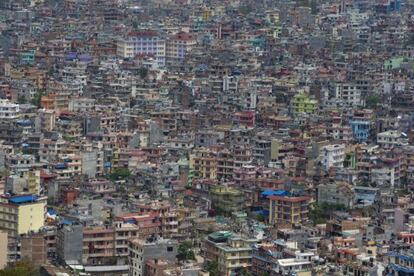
[338, 193]
[69, 244]
[147, 43]
[391, 138]
[3, 249]
[22, 214]
[230, 251]
[302, 103]
[8, 110]
[142, 250]
[288, 210]
[332, 156]
[226, 200]
[33, 248]
[179, 45]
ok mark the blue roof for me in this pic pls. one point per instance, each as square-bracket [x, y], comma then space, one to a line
[67, 222]
[51, 211]
[23, 199]
[266, 193]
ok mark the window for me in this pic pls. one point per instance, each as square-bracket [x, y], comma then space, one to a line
[170, 249]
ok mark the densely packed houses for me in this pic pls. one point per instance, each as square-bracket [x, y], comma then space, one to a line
[207, 137]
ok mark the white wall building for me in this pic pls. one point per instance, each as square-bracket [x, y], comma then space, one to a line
[332, 156]
[391, 138]
[8, 110]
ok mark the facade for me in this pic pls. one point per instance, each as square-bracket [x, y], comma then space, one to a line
[288, 210]
[226, 199]
[336, 193]
[8, 110]
[141, 250]
[69, 244]
[302, 103]
[148, 43]
[332, 156]
[179, 45]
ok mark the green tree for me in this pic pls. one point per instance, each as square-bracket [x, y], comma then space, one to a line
[37, 98]
[185, 251]
[212, 267]
[21, 268]
[21, 100]
[372, 101]
[143, 72]
[120, 174]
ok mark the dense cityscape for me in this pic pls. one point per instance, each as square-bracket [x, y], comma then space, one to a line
[206, 137]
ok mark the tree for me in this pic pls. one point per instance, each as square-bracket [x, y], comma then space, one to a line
[372, 101]
[185, 251]
[143, 72]
[21, 268]
[119, 174]
[21, 100]
[37, 99]
[212, 267]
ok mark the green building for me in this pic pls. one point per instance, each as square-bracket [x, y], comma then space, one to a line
[302, 103]
[226, 200]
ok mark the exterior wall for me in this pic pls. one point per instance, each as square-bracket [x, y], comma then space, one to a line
[31, 217]
[69, 243]
[3, 249]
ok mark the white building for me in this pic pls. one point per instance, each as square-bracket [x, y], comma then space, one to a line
[332, 156]
[301, 263]
[141, 250]
[146, 43]
[392, 138]
[349, 94]
[8, 110]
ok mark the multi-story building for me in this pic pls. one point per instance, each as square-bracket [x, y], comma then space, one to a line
[179, 45]
[226, 200]
[142, 250]
[8, 110]
[336, 193]
[288, 210]
[231, 252]
[20, 215]
[146, 42]
[98, 245]
[391, 138]
[69, 243]
[332, 156]
[302, 103]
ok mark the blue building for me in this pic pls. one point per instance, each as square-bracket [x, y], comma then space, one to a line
[361, 129]
[401, 264]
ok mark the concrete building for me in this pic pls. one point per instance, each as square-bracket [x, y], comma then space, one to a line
[332, 156]
[391, 138]
[69, 244]
[142, 43]
[33, 248]
[336, 193]
[8, 110]
[3, 249]
[142, 250]
[288, 210]
[227, 200]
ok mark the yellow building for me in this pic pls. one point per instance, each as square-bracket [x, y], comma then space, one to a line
[231, 252]
[203, 163]
[3, 249]
[22, 214]
[302, 103]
